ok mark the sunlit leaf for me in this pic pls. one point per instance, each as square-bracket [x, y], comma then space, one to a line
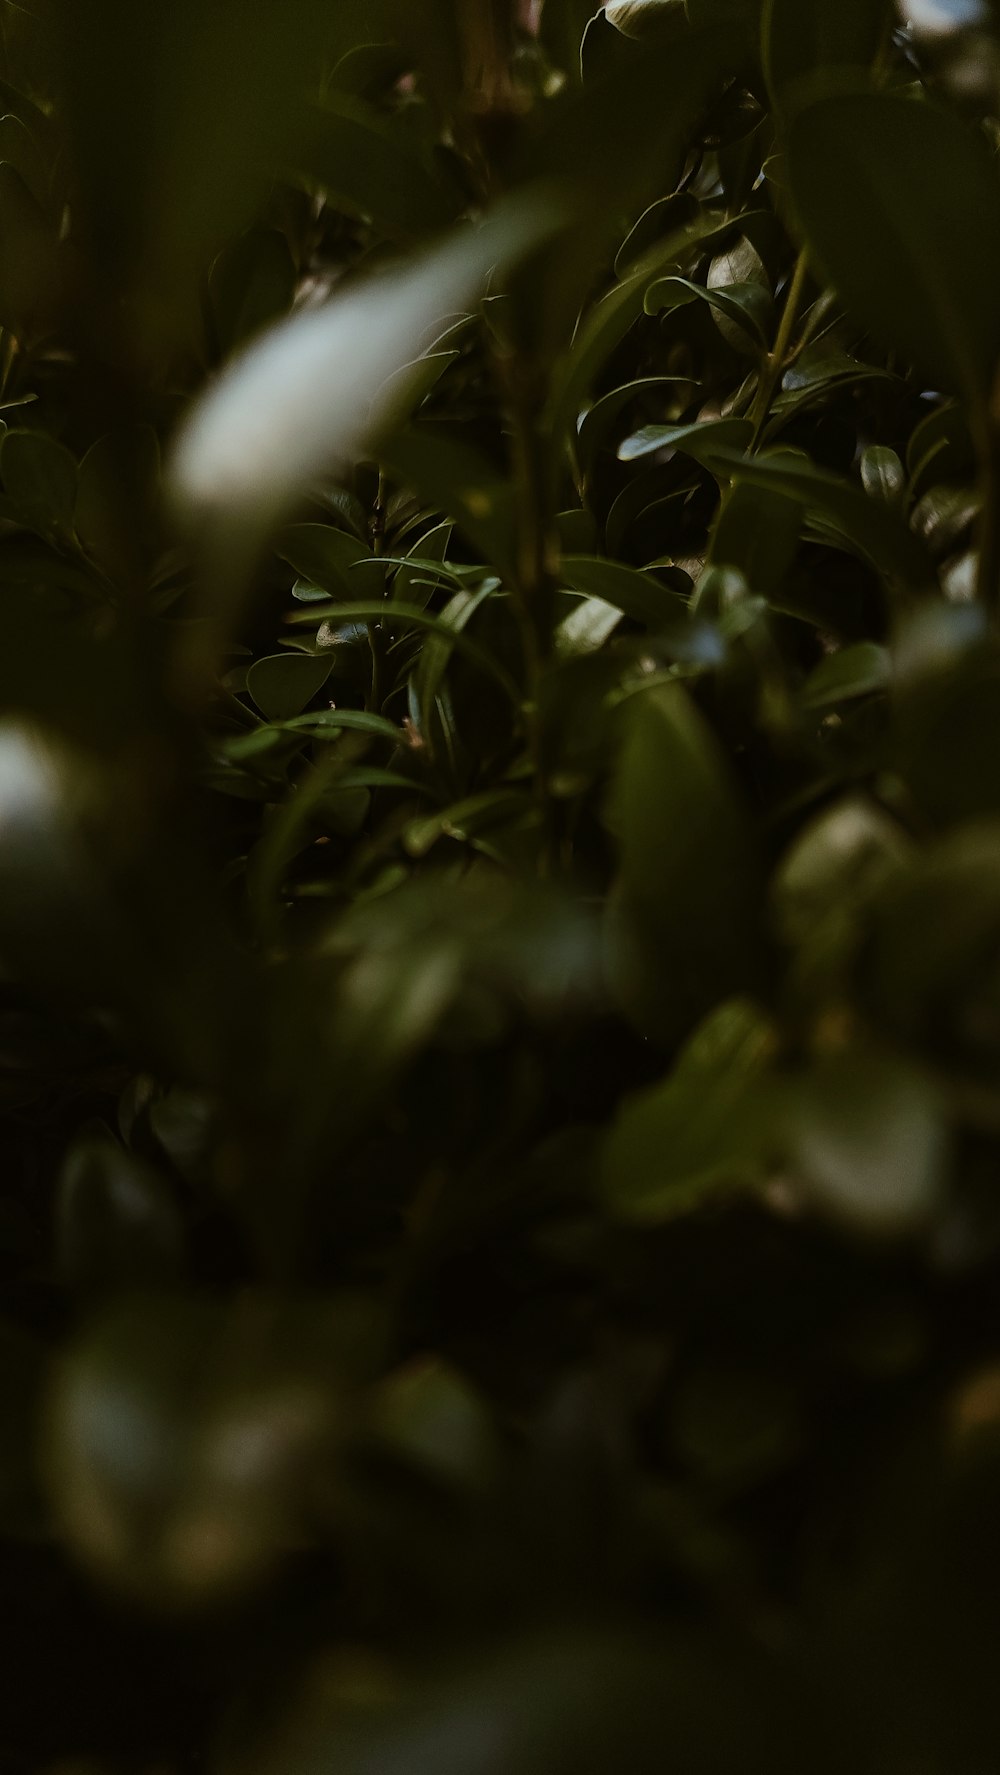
[702, 440]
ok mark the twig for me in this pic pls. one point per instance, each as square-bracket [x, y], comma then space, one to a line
[773, 369]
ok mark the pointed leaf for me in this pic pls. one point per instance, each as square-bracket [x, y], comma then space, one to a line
[747, 305]
[410, 616]
[639, 595]
[601, 414]
[879, 531]
[704, 440]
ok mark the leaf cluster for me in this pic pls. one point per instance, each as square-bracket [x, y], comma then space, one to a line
[499, 886]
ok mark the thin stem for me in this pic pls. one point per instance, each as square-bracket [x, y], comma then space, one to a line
[278, 841]
[774, 366]
[376, 636]
[818, 321]
[536, 569]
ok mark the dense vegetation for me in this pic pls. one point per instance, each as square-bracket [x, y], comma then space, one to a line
[499, 887]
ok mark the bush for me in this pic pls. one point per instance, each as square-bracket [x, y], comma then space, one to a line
[500, 886]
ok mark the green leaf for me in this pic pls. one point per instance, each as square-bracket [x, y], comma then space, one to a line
[585, 629]
[470, 820]
[345, 509]
[867, 1141]
[683, 929]
[613, 147]
[941, 997]
[118, 1223]
[375, 776]
[409, 386]
[839, 861]
[318, 724]
[706, 1127]
[944, 517]
[32, 566]
[398, 614]
[703, 440]
[441, 573]
[436, 651]
[915, 255]
[175, 1437]
[757, 532]
[321, 722]
[457, 480]
[659, 222]
[40, 477]
[747, 305]
[283, 683]
[738, 262]
[819, 375]
[639, 595]
[604, 327]
[849, 673]
[548, 1702]
[373, 163]
[823, 366]
[325, 557]
[413, 584]
[940, 448]
[268, 426]
[878, 530]
[431, 1417]
[598, 417]
[882, 474]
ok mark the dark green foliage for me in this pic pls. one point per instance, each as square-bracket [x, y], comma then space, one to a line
[499, 887]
